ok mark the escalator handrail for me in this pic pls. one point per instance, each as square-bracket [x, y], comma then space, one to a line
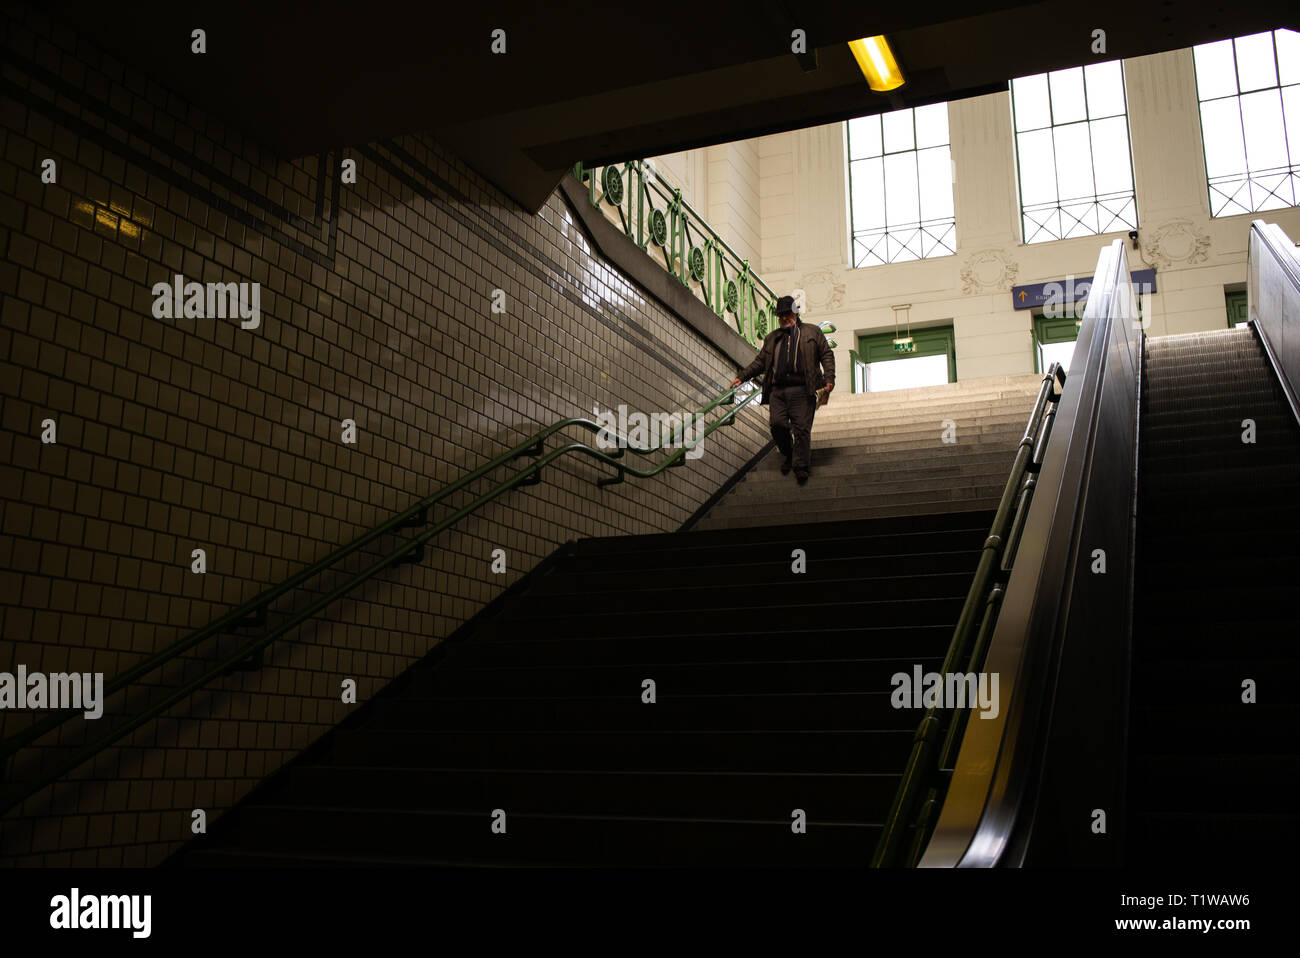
[533, 446]
[990, 785]
[928, 756]
[1272, 261]
[1271, 237]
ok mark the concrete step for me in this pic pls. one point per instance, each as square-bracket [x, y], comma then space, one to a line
[868, 447]
[292, 835]
[903, 466]
[853, 495]
[990, 384]
[971, 425]
[847, 506]
[858, 401]
[883, 454]
[777, 497]
[865, 471]
[741, 520]
[936, 412]
[949, 393]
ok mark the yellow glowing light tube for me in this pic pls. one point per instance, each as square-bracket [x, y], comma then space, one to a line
[877, 63]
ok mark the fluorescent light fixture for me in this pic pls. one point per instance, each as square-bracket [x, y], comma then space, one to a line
[877, 63]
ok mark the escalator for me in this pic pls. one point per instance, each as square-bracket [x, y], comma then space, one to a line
[1214, 699]
[1149, 641]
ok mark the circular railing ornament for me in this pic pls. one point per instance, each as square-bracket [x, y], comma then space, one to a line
[696, 262]
[732, 296]
[612, 181]
[761, 324]
[658, 227]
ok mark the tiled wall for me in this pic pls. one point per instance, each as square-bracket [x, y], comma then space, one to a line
[177, 434]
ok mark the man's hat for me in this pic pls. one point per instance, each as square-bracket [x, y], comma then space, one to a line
[786, 305]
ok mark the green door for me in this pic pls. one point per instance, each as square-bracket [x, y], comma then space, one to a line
[880, 348]
[1238, 312]
[1054, 338]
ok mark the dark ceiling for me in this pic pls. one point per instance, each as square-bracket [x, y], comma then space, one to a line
[602, 82]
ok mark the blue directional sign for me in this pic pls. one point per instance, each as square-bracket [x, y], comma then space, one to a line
[1072, 289]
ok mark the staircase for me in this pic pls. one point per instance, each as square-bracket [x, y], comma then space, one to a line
[772, 694]
[883, 454]
[1211, 779]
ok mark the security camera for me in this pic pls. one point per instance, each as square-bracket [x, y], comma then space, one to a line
[1133, 235]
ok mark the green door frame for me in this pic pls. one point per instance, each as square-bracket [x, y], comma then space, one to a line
[933, 341]
[1238, 310]
[1064, 329]
[857, 368]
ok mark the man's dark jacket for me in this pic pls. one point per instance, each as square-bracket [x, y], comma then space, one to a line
[814, 351]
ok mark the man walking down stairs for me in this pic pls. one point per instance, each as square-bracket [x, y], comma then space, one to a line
[798, 370]
[920, 451]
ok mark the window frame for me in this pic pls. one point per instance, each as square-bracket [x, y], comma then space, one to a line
[922, 225]
[1052, 125]
[1293, 167]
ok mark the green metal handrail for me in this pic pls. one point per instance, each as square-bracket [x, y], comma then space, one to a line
[254, 611]
[925, 769]
[703, 268]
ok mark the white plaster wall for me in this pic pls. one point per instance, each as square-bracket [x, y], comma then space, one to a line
[782, 201]
[1195, 256]
[733, 198]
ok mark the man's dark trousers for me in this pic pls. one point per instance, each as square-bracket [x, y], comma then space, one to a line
[792, 419]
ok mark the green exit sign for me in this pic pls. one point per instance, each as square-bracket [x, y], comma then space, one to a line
[907, 345]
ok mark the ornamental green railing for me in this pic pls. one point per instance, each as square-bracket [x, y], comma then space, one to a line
[654, 215]
[254, 612]
[934, 746]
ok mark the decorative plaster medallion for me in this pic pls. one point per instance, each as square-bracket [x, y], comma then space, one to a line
[822, 290]
[988, 269]
[1177, 241]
